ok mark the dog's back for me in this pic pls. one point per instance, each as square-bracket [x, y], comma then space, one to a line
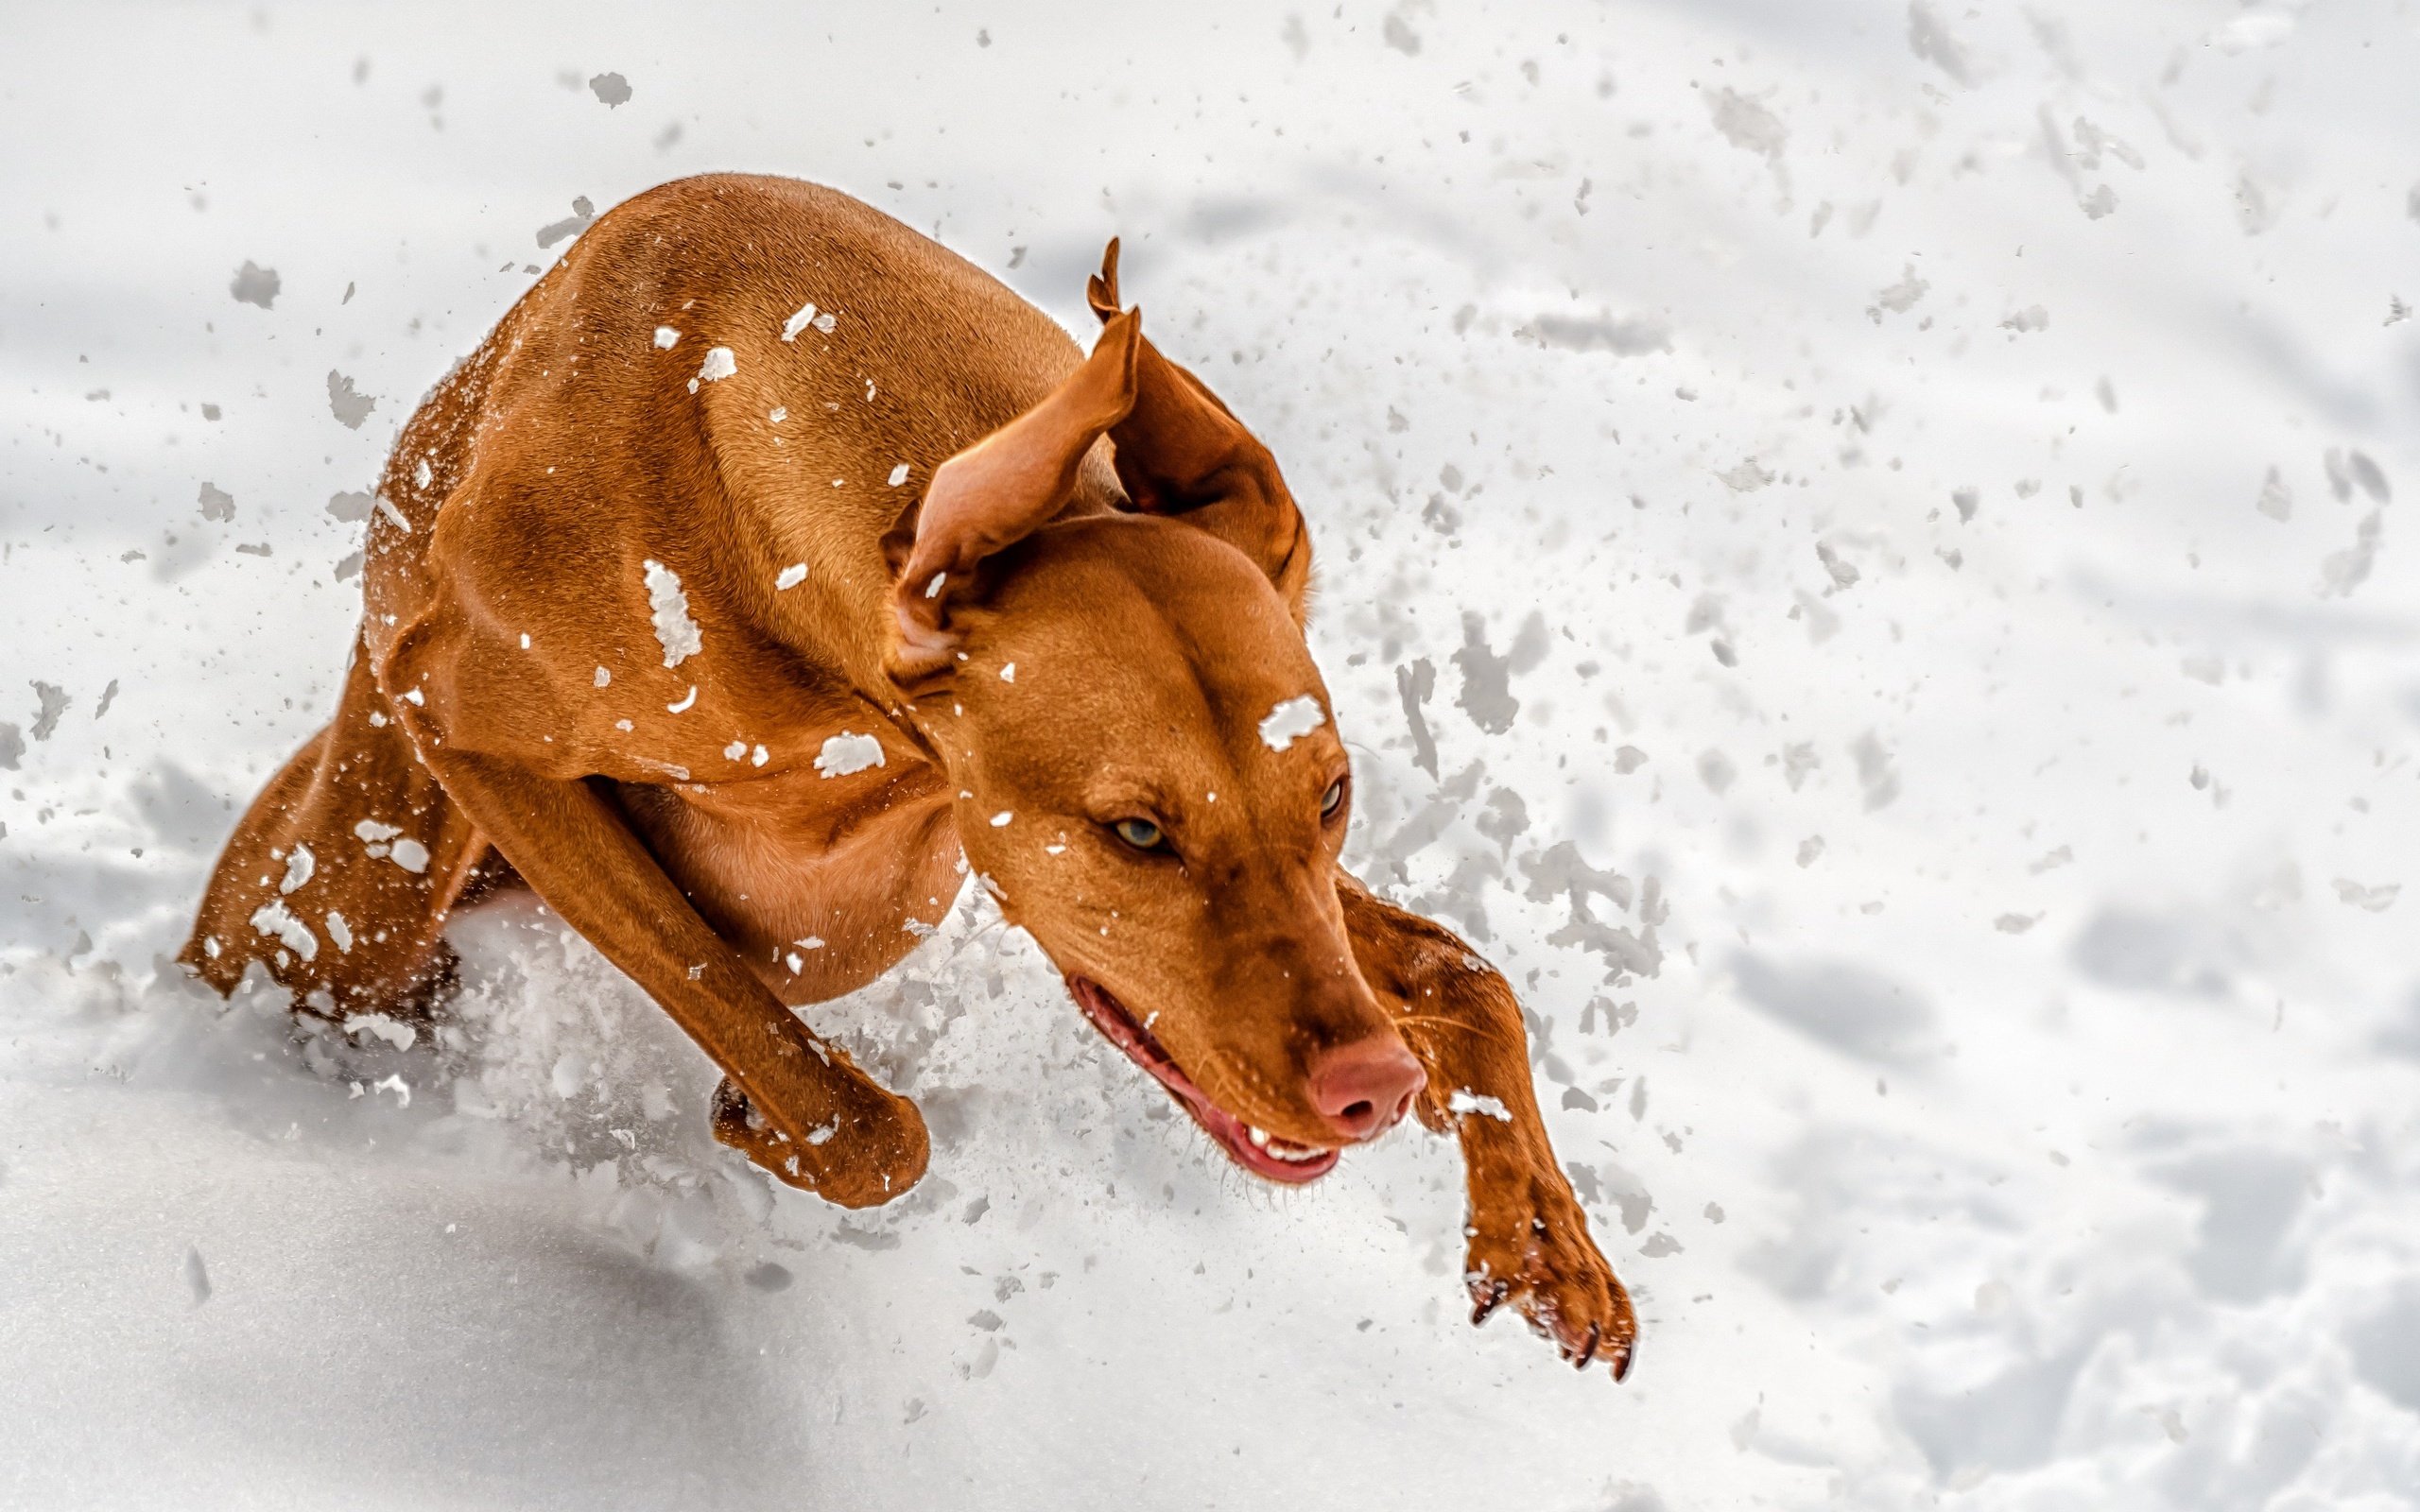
[848, 345]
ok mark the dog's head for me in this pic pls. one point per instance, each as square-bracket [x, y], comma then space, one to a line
[1149, 775]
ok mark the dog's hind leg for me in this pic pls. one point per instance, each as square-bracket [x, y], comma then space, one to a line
[339, 877]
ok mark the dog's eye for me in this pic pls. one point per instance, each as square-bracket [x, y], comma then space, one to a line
[1140, 833]
[1332, 799]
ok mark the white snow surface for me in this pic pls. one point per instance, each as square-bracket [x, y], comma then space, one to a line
[1962, 447]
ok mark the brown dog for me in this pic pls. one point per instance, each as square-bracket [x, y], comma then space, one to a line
[768, 567]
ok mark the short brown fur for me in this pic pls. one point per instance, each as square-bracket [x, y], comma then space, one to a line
[1070, 618]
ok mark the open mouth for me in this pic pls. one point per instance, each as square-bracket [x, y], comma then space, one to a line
[1255, 1149]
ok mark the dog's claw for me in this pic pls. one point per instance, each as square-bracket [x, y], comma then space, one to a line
[1529, 1246]
[1624, 1354]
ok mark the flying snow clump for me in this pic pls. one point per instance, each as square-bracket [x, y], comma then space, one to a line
[674, 630]
[1291, 720]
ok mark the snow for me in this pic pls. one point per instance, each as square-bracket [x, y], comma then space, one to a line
[674, 630]
[274, 918]
[381, 1026]
[845, 753]
[790, 578]
[799, 321]
[2117, 1211]
[1462, 1100]
[720, 364]
[1291, 720]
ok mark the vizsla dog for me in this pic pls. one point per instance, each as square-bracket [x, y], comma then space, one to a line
[768, 568]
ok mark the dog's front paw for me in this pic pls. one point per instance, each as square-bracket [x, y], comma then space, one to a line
[867, 1155]
[1529, 1246]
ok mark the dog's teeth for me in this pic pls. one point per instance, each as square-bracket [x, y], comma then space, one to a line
[1259, 1136]
[1298, 1153]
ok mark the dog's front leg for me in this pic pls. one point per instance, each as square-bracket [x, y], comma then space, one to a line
[805, 1114]
[1528, 1237]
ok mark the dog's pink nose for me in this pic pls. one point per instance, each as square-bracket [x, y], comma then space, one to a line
[1362, 1088]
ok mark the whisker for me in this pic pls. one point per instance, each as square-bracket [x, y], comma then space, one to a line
[1484, 1031]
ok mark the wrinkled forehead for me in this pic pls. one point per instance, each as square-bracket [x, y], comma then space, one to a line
[1203, 676]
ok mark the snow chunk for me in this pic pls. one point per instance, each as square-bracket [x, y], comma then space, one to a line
[371, 831]
[790, 578]
[300, 864]
[2276, 499]
[1000, 820]
[720, 364]
[674, 630]
[347, 404]
[899, 475]
[384, 1026]
[255, 285]
[1465, 1101]
[2377, 900]
[845, 753]
[1291, 720]
[2341, 572]
[273, 918]
[583, 212]
[1747, 125]
[805, 316]
[1747, 477]
[665, 336]
[411, 855]
[339, 931]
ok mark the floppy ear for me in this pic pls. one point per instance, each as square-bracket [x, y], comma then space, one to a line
[1180, 452]
[999, 490]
